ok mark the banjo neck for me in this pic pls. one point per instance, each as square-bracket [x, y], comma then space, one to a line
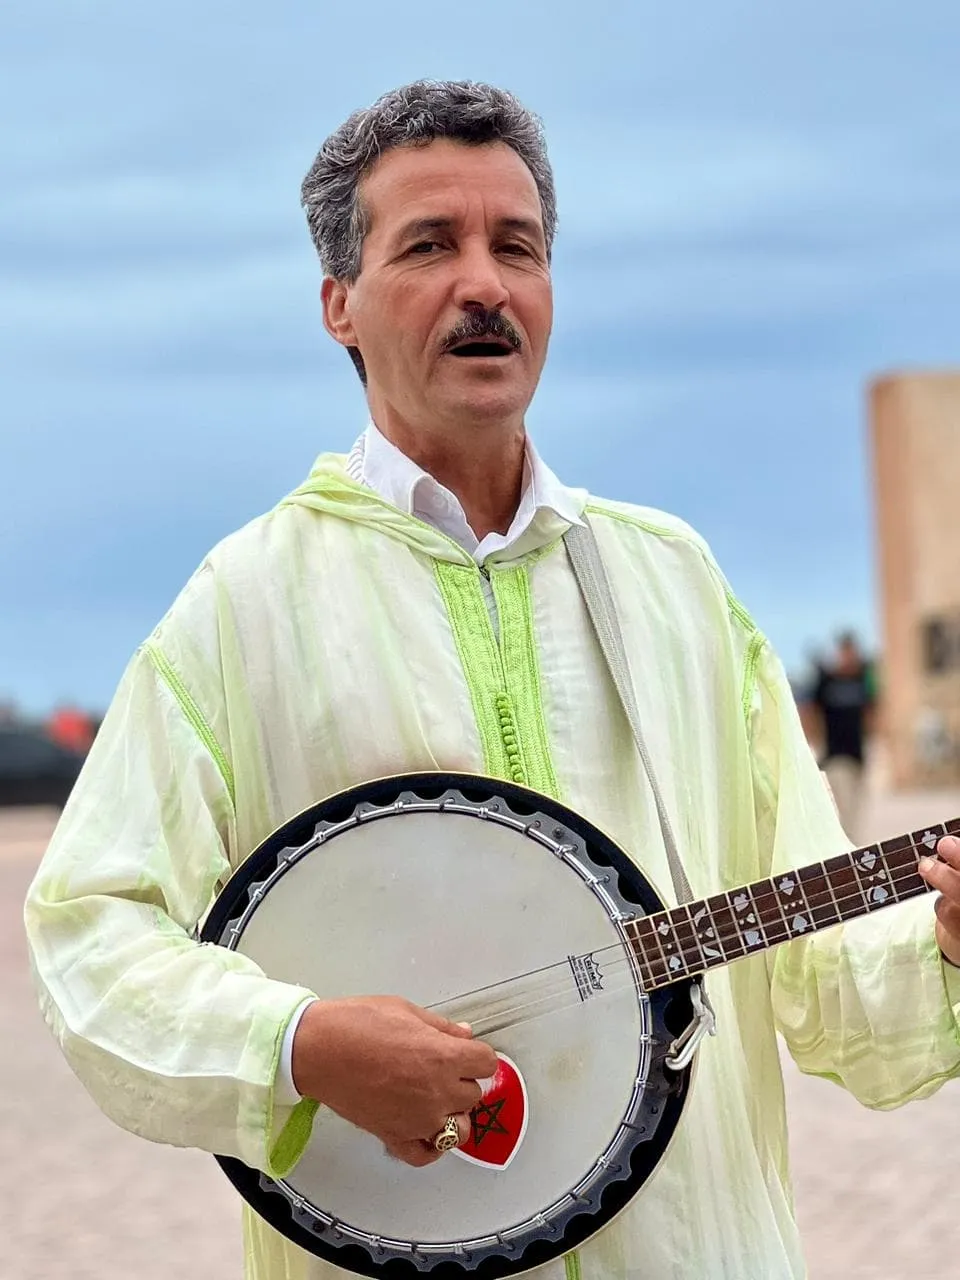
[696, 936]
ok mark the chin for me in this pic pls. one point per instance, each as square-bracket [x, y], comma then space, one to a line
[492, 395]
[489, 408]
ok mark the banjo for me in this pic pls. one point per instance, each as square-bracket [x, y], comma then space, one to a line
[566, 961]
[583, 981]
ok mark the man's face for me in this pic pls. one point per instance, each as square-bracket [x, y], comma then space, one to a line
[454, 254]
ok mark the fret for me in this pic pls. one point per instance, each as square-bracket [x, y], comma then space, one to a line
[893, 883]
[817, 889]
[725, 928]
[787, 892]
[669, 945]
[925, 844]
[747, 920]
[705, 927]
[846, 886]
[686, 934]
[766, 897]
[640, 953]
[901, 844]
[869, 866]
[952, 828]
[901, 857]
[667, 958]
[833, 891]
[651, 951]
[799, 917]
[925, 841]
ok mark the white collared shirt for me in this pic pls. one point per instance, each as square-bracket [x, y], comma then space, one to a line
[376, 462]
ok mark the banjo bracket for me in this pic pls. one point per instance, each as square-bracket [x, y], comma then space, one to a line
[703, 1023]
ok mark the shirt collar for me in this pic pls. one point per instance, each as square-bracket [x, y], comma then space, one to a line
[376, 462]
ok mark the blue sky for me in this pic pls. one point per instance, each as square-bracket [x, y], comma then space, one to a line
[758, 213]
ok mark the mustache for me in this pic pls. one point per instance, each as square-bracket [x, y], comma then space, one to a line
[479, 323]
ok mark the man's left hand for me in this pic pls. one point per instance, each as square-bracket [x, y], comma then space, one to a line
[945, 877]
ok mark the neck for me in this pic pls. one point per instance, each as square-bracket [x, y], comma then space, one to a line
[485, 472]
[697, 936]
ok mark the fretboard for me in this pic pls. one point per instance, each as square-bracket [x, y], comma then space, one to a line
[703, 935]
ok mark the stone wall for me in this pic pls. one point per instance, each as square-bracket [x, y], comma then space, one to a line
[915, 422]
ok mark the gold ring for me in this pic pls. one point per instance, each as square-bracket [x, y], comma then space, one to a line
[449, 1136]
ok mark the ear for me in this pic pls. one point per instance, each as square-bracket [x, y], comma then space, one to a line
[335, 297]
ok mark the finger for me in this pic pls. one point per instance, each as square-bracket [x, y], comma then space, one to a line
[461, 1030]
[949, 850]
[941, 876]
[415, 1152]
[464, 1126]
[476, 1060]
[466, 1096]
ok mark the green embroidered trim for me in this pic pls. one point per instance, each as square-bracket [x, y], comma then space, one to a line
[521, 668]
[193, 713]
[479, 658]
[293, 1138]
[504, 680]
[754, 650]
[508, 735]
[571, 1262]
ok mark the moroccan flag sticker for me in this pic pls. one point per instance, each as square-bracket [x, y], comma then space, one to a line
[499, 1120]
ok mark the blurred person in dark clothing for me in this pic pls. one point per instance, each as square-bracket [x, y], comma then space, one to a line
[840, 704]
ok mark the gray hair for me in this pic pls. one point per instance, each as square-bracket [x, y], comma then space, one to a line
[413, 115]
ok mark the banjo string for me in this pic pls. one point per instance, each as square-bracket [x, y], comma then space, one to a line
[485, 1025]
[556, 980]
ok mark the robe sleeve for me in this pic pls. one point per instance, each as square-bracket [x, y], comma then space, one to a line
[867, 1003]
[175, 1040]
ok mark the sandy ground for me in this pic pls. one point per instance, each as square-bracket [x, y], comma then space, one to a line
[878, 1195]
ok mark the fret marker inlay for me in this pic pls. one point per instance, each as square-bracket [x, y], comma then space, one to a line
[799, 923]
[787, 885]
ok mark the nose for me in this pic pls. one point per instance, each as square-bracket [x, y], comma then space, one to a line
[481, 280]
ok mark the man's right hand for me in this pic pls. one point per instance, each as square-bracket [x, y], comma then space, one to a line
[392, 1068]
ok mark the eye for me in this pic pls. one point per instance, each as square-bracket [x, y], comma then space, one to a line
[424, 247]
[515, 248]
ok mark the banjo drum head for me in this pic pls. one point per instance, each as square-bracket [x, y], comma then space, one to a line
[495, 906]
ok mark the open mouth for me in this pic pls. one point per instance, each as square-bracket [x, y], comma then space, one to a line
[491, 348]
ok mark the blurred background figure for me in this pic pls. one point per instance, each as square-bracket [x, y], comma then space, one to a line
[838, 710]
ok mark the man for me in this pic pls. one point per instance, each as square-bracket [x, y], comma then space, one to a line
[841, 701]
[374, 623]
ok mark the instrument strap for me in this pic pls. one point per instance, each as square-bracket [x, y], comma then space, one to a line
[581, 543]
